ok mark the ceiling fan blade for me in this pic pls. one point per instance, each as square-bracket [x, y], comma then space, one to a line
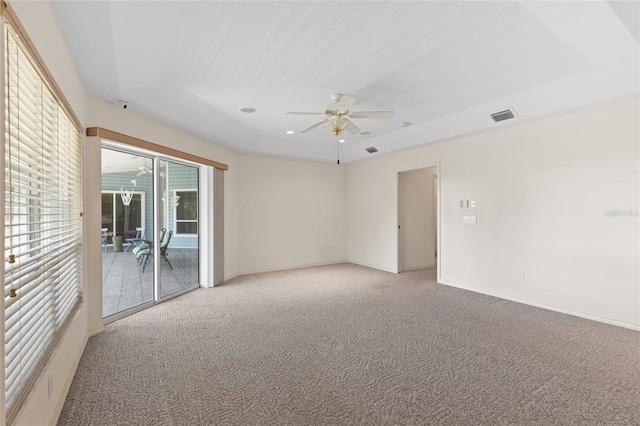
[313, 126]
[304, 113]
[371, 114]
[351, 127]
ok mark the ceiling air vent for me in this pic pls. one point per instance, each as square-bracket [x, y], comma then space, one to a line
[371, 150]
[503, 115]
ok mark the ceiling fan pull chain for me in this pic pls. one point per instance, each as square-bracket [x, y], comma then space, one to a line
[338, 152]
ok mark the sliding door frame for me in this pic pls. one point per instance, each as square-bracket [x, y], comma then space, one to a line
[156, 218]
[156, 158]
[211, 206]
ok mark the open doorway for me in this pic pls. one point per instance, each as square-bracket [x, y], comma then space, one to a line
[418, 194]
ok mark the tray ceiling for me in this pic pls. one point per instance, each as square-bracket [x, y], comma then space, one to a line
[444, 67]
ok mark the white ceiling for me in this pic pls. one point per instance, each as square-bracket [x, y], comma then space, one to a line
[442, 66]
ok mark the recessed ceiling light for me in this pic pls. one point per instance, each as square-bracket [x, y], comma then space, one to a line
[342, 141]
[248, 110]
[290, 132]
[365, 133]
[405, 124]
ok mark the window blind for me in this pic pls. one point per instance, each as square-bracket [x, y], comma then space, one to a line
[43, 226]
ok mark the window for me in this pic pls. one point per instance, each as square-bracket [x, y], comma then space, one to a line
[186, 212]
[120, 219]
[42, 215]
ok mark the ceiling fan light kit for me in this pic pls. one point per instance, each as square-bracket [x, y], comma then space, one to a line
[338, 114]
[337, 118]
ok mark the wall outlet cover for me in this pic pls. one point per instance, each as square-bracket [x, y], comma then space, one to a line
[469, 220]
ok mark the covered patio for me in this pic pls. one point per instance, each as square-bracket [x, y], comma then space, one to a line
[124, 285]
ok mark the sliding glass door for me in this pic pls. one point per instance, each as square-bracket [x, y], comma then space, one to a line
[150, 230]
[127, 222]
[179, 253]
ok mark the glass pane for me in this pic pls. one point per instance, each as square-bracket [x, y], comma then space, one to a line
[128, 217]
[179, 256]
[187, 208]
[127, 214]
[187, 227]
[107, 216]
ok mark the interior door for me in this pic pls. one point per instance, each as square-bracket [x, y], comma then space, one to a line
[416, 214]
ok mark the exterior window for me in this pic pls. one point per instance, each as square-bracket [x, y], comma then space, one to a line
[115, 217]
[186, 212]
[42, 217]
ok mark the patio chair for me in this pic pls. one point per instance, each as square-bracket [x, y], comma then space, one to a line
[146, 254]
[163, 249]
[105, 234]
[143, 251]
[135, 240]
[164, 244]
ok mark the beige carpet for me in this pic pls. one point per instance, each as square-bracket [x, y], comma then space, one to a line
[350, 345]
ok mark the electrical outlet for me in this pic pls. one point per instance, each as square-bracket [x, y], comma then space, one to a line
[50, 386]
[520, 273]
[470, 220]
[252, 253]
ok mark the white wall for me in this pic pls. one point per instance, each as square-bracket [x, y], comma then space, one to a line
[287, 211]
[542, 190]
[40, 24]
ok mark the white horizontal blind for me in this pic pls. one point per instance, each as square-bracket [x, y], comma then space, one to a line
[43, 229]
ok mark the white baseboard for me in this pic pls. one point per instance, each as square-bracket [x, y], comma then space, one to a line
[415, 268]
[229, 277]
[96, 330]
[545, 306]
[370, 265]
[67, 383]
[288, 268]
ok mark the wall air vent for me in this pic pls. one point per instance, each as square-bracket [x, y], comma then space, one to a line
[503, 115]
[371, 150]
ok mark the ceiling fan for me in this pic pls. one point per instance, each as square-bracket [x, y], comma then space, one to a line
[144, 169]
[338, 114]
